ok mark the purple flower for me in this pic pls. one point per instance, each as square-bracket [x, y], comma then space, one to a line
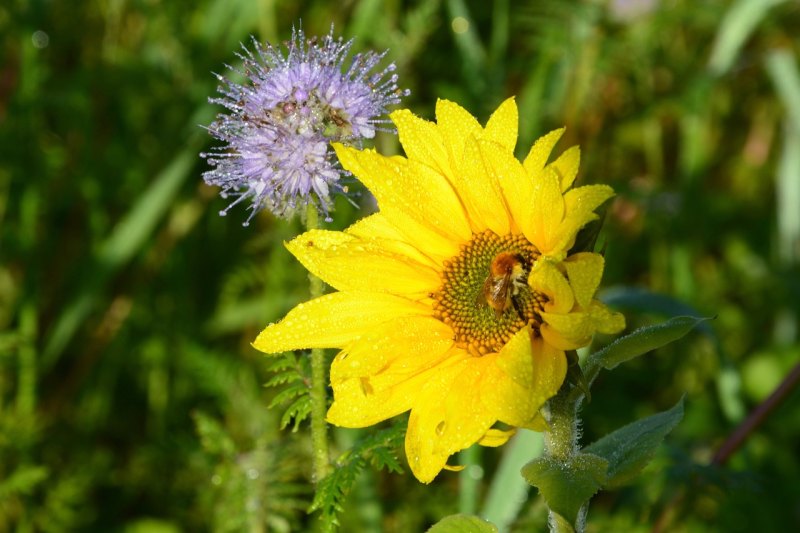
[280, 122]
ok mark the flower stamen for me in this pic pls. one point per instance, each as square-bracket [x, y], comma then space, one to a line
[484, 296]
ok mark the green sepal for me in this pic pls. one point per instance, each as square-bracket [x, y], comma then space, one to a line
[567, 484]
[586, 239]
[630, 448]
[462, 523]
[643, 340]
[575, 376]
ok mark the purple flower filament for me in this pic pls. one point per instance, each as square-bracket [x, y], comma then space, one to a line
[280, 122]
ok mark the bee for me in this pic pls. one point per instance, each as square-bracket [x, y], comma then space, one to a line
[506, 274]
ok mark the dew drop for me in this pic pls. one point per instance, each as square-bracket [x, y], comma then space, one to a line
[440, 428]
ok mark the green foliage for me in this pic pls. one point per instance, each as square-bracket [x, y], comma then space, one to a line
[643, 340]
[294, 372]
[628, 449]
[378, 449]
[567, 484]
[461, 523]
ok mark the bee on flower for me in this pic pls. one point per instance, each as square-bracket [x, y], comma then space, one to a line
[279, 123]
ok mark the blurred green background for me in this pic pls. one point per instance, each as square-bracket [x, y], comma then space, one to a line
[130, 399]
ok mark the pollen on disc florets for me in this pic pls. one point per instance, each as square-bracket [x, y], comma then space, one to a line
[461, 302]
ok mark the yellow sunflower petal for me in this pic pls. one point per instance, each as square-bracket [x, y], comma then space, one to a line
[604, 319]
[547, 279]
[586, 199]
[546, 214]
[446, 418]
[401, 346]
[515, 183]
[566, 331]
[526, 374]
[377, 227]
[496, 437]
[455, 125]
[503, 124]
[357, 404]
[584, 270]
[334, 320]
[567, 166]
[480, 192]
[414, 198]
[454, 468]
[348, 263]
[421, 140]
[540, 152]
[363, 401]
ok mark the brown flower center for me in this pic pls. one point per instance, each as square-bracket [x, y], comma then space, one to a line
[485, 295]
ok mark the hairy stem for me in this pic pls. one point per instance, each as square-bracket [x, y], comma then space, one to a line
[561, 444]
[319, 377]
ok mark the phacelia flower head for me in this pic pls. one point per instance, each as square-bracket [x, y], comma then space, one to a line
[281, 120]
[458, 300]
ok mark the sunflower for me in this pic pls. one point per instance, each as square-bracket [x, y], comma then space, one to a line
[458, 299]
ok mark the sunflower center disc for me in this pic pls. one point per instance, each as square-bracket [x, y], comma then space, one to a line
[485, 295]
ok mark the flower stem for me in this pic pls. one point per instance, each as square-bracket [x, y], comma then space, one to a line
[319, 377]
[561, 445]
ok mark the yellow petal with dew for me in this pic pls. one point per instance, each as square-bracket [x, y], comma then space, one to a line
[404, 345]
[348, 263]
[546, 213]
[567, 331]
[334, 320]
[545, 278]
[421, 140]
[540, 152]
[584, 270]
[374, 226]
[566, 165]
[456, 125]
[586, 199]
[363, 401]
[503, 124]
[526, 374]
[446, 418]
[604, 319]
[481, 193]
[516, 185]
[414, 198]
[377, 227]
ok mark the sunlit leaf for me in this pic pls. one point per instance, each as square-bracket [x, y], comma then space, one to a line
[567, 485]
[643, 340]
[461, 523]
[630, 448]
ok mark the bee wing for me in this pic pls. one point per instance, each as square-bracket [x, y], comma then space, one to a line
[497, 292]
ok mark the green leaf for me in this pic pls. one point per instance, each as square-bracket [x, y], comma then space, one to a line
[644, 340]
[567, 485]
[462, 523]
[630, 448]
[213, 437]
[739, 22]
